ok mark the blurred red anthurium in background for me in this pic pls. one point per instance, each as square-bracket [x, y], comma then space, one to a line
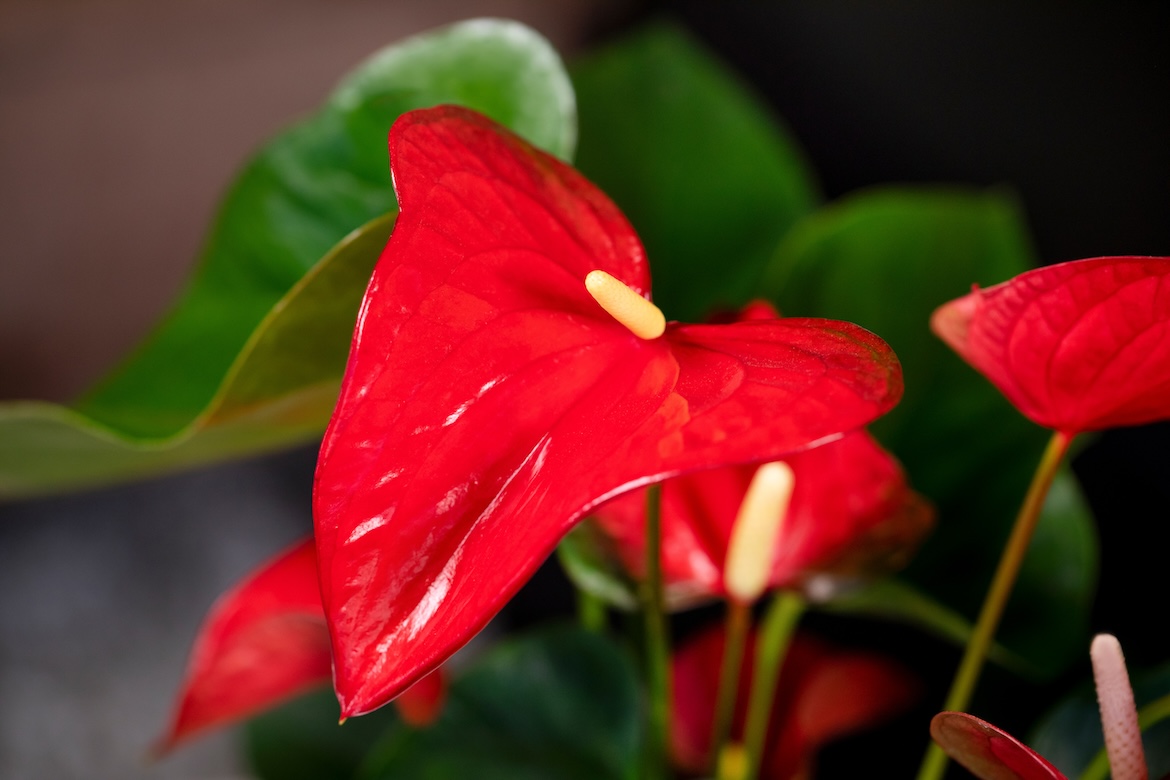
[490, 401]
[1077, 346]
[824, 692]
[264, 642]
[851, 515]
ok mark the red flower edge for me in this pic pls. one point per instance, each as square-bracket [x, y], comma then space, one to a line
[263, 642]
[1077, 346]
[988, 752]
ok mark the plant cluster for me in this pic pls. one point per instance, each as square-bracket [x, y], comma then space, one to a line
[500, 383]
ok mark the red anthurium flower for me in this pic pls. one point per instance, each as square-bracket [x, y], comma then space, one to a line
[1077, 346]
[824, 692]
[851, 513]
[490, 400]
[264, 642]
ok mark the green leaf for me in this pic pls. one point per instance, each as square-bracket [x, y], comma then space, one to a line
[886, 259]
[301, 195]
[279, 391]
[594, 569]
[562, 704]
[1070, 735]
[302, 741]
[706, 175]
[891, 599]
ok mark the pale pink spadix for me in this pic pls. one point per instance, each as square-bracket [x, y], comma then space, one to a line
[1119, 720]
[757, 528]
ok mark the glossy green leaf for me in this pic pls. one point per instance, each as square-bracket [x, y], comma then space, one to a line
[708, 178]
[885, 259]
[301, 195]
[1070, 735]
[562, 703]
[301, 740]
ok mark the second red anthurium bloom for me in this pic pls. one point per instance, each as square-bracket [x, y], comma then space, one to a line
[1078, 346]
[490, 401]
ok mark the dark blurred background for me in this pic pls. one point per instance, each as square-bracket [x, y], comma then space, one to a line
[121, 121]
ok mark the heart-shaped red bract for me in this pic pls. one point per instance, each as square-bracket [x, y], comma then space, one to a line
[986, 751]
[824, 692]
[1078, 346]
[489, 401]
[263, 642]
[851, 514]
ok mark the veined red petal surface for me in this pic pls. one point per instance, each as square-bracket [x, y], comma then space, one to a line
[1077, 346]
[824, 692]
[489, 401]
[262, 643]
[851, 513]
[986, 751]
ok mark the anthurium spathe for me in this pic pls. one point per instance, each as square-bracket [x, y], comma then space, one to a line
[263, 642]
[824, 692]
[987, 751]
[490, 401]
[1077, 346]
[851, 513]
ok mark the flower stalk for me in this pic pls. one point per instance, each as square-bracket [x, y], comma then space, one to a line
[963, 685]
[776, 634]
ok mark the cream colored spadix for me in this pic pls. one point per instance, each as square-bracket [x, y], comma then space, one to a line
[644, 319]
[1119, 720]
[756, 530]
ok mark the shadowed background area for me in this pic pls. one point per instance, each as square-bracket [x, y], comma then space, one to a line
[121, 122]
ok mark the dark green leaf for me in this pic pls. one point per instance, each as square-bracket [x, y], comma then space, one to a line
[302, 741]
[708, 178]
[885, 259]
[891, 599]
[301, 195]
[560, 705]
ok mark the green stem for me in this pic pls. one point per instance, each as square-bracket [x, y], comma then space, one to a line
[656, 642]
[1154, 712]
[776, 633]
[963, 686]
[738, 621]
[590, 611]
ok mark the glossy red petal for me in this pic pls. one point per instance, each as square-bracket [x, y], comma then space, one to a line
[489, 401]
[824, 693]
[851, 513]
[1077, 346]
[986, 751]
[262, 643]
